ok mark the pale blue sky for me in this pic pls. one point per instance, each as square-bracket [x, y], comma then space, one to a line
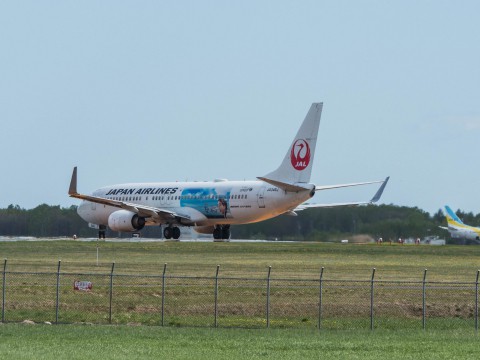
[173, 90]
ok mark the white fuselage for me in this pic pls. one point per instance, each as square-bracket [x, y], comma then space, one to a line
[212, 206]
[200, 203]
[462, 231]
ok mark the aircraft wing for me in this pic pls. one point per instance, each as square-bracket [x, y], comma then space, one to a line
[157, 215]
[373, 200]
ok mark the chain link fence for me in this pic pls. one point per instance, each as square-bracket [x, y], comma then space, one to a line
[217, 301]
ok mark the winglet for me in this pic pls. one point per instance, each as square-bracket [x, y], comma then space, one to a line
[73, 183]
[379, 193]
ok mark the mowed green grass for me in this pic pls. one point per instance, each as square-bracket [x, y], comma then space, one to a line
[123, 342]
[288, 260]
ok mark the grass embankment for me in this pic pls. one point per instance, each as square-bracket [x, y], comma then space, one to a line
[110, 342]
[397, 336]
[290, 260]
[242, 302]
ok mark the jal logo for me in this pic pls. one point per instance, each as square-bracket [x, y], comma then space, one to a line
[300, 154]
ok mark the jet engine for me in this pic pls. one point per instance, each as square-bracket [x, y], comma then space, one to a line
[124, 220]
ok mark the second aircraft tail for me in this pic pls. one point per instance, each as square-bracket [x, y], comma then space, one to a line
[452, 218]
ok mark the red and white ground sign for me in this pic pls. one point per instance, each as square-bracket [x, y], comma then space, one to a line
[82, 285]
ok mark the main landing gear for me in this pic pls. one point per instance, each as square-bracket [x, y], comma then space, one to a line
[221, 232]
[171, 232]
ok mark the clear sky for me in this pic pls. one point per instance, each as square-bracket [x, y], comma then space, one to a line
[133, 91]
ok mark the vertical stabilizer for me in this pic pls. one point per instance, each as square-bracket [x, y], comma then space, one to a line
[297, 164]
[451, 216]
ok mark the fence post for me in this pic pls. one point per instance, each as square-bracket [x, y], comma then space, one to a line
[111, 293]
[216, 296]
[424, 310]
[58, 292]
[371, 299]
[163, 292]
[320, 299]
[476, 302]
[4, 282]
[268, 296]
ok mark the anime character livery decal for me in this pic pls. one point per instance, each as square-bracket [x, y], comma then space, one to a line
[208, 201]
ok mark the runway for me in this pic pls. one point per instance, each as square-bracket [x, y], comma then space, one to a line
[130, 240]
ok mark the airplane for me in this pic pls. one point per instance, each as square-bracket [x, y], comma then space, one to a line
[211, 207]
[459, 230]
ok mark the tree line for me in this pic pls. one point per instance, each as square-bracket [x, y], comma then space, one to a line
[43, 221]
[386, 221]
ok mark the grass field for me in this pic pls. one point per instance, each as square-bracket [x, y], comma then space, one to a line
[124, 342]
[446, 338]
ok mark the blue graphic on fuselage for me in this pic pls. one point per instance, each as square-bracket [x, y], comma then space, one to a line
[206, 200]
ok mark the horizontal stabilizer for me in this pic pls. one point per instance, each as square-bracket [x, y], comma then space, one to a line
[285, 186]
[338, 186]
[374, 199]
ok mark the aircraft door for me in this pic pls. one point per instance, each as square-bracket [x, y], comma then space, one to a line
[261, 198]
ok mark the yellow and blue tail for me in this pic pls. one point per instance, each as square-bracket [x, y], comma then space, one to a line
[452, 218]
